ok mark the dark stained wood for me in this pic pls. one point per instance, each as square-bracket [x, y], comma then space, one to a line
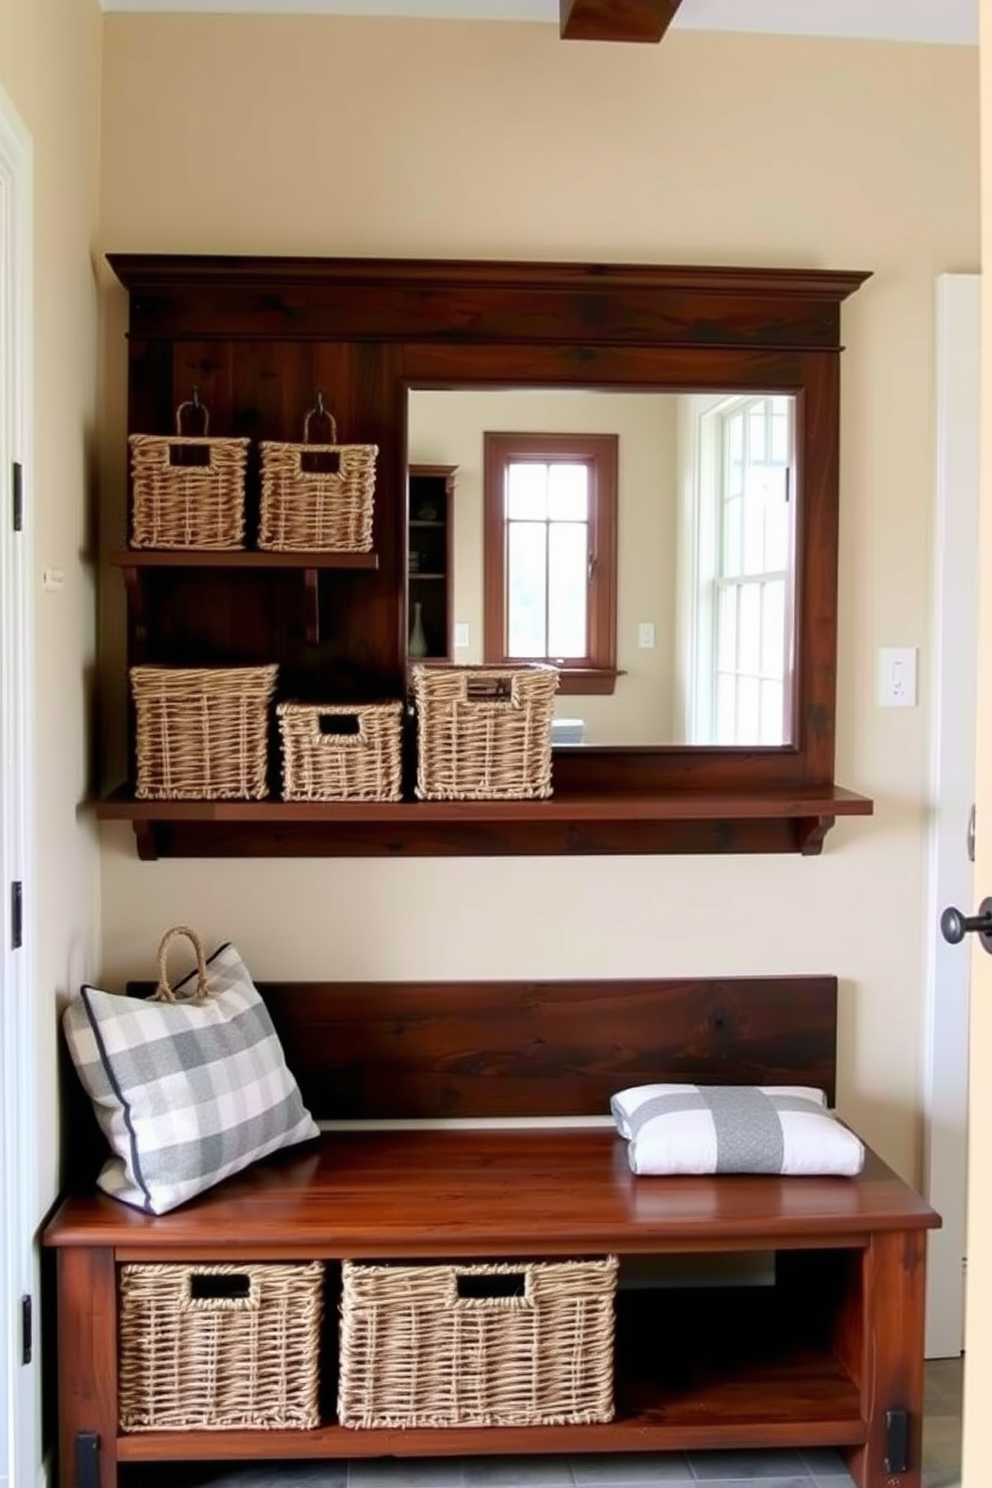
[467, 1049]
[87, 1358]
[412, 300]
[566, 824]
[616, 20]
[135, 558]
[499, 1193]
[883, 1348]
[260, 337]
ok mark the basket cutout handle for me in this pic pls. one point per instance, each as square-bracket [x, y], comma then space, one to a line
[482, 689]
[221, 1291]
[472, 1287]
[340, 728]
[164, 991]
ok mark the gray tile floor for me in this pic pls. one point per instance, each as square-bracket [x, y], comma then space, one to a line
[941, 1463]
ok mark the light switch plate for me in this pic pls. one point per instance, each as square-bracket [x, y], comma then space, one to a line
[645, 635]
[897, 677]
[461, 636]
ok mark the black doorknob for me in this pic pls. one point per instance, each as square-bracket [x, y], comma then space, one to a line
[955, 926]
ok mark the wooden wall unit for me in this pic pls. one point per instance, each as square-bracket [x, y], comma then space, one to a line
[259, 337]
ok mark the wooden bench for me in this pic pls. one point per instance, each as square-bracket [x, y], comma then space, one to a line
[830, 1355]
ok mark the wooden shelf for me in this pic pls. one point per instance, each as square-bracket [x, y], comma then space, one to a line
[566, 823]
[240, 558]
[742, 1375]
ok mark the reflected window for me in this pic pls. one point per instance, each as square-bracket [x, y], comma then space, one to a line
[745, 590]
[550, 553]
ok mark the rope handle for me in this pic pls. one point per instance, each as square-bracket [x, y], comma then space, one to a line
[163, 992]
[194, 403]
[320, 412]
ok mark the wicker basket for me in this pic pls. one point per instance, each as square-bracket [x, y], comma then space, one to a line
[175, 504]
[341, 752]
[319, 509]
[210, 1348]
[202, 732]
[424, 1345]
[484, 733]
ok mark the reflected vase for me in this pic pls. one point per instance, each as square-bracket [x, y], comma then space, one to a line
[417, 645]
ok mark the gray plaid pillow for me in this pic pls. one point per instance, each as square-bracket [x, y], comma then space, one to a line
[186, 1092]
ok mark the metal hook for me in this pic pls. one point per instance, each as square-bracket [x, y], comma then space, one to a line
[196, 395]
[320, 403]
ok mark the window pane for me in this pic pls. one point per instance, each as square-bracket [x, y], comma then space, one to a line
[748, 710]
[732, 538]
[755, 496]
[756, 434]
[526, 591]
[568, 559]
[773, 629]
[527, 490]
[726, 652]
[735, 438]
[568, 492]
[726, 708]
[777, 521]
[749, 647]
[772, 722]
[781, 429]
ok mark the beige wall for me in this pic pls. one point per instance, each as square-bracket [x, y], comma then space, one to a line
[324, 136]
[447, 428]
[50, 60]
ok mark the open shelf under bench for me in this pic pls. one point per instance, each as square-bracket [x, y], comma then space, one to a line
[567, 823]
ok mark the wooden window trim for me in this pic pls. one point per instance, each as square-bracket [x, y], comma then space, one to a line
[597, 672]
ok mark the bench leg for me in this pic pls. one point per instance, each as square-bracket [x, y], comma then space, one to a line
[881, 1341]
[87, 1368]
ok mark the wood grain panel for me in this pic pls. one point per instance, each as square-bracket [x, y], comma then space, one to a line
[616, 20]
[468, 1049]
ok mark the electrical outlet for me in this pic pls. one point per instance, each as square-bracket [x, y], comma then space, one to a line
[897, 677]
[645, 635]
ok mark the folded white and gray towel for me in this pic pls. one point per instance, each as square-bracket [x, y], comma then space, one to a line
[784, 1129]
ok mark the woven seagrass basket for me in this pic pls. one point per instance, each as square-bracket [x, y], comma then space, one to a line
[187, 491]
[209, 1348]
[338, 752]
[501, 1344]
[202, 732]
[317, 497]
[484, 733]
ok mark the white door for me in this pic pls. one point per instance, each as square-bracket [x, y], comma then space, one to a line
[958, 345]
[19, 1435]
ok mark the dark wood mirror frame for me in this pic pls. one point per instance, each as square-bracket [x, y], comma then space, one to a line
[258, 336]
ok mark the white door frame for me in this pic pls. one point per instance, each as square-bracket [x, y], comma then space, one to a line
[952, 783]
[19, 1429]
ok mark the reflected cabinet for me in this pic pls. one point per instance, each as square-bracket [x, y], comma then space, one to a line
[629, 471]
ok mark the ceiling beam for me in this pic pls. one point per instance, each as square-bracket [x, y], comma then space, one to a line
[616, 20]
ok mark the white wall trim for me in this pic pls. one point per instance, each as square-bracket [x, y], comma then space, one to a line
[18, 1064]
[952, 785]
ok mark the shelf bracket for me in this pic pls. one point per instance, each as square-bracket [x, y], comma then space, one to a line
[311, 582]
[146, 841]
[810, 832]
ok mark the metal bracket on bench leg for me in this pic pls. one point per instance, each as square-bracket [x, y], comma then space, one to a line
[87, 1459]
[896, 1441]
